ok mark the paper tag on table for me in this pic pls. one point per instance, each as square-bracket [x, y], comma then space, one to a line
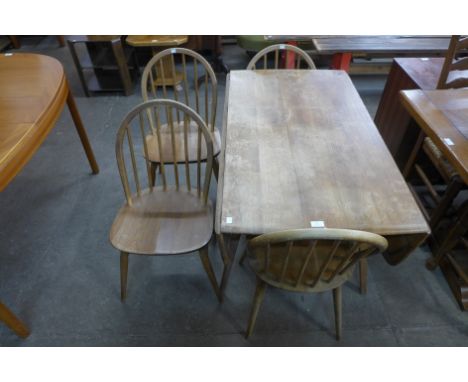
[317, 224]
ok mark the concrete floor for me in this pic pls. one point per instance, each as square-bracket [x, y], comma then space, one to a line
[60, 275]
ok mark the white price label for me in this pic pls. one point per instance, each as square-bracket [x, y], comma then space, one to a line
[317, 224]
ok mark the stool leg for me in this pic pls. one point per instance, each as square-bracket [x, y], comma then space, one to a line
[13, 322]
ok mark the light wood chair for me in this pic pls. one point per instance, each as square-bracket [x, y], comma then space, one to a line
[274, 50]
[308, 260]
[169, 219]
[454, 75]
[196, 73]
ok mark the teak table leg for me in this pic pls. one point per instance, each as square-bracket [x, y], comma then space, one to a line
[13, 322]
[82, 133]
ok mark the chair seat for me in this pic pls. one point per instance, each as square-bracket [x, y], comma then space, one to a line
[192, 139]
[297, 256]
[163, 223]
[439, 160]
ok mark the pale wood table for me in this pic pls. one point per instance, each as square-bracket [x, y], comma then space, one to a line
[33, 92]
[443, 116]
[300, 146]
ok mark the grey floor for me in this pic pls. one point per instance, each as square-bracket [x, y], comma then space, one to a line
[59, 273]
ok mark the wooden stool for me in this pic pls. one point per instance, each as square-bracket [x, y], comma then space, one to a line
[158, 43]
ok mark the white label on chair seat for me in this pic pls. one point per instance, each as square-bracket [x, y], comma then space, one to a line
[448, 141]
[228, 220]
[317, 224]
[282, 46]
[8, 54]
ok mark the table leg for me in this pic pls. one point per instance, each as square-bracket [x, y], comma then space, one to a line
[228, 258]
[341, 61]
[13, 322]
[82, 133]
[414, 153]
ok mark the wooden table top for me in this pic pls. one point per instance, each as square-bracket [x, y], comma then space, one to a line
[155, 40]
[33, 90]
[443, 114]
[300, 146]
[424, 71]
[382, 44]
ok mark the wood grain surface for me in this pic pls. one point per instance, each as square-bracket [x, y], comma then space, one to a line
[443, 114]
[33, 91]
[300, 146]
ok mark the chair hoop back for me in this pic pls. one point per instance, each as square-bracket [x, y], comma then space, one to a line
[149, 116]
[300, 259]
[188, 69]
[299, 53]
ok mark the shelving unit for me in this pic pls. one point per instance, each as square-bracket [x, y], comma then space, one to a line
[108, 66]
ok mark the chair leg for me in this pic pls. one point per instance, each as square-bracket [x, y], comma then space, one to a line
[205, 259]
[123, 275]
[153, 167]
[258, 298]
[453, 188]
[337, 307]
[13, 322]
[363, 275]
[215, 168]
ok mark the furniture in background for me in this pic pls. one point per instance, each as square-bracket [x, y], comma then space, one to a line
[309, 260]
[195, 73]
[110, 66]
[304, 161]
[33, 92]
[211, 45]
[454, 73]
[452, 257]
[166, 219]
[291, 60]
[457, 70]
[158, 43]
[344, 47]
[395, 125]
[442, 116]
[15, 41]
